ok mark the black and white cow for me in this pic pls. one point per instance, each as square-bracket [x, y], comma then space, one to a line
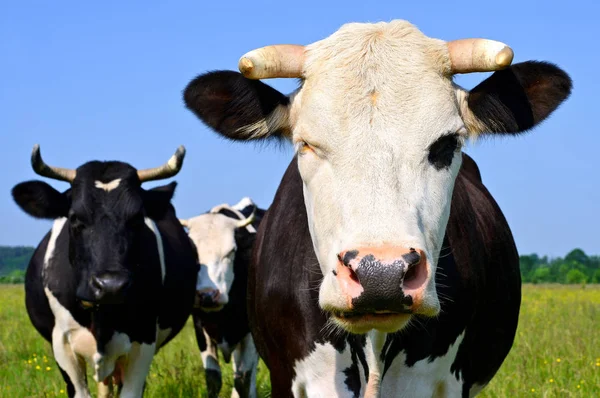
[115, 278]
[383, 267]
[224, 238]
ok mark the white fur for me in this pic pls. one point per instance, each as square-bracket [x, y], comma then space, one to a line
[374, 98]
[108, 186]
[213, 235]
[159, 244]
[210, 357]
[321, 373]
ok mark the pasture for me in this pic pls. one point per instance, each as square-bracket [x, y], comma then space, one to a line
[556, 353]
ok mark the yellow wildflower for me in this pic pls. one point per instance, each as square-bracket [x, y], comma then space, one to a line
[551, 380]
[578, 386]
[34, 359]
[62, 391]
[557, 359]
[37, 367]
[47, 367]
[35, 355]
[533, 390]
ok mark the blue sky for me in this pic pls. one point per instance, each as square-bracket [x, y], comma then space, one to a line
[103, 80]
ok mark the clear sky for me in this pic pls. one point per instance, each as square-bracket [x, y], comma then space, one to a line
[103, 80]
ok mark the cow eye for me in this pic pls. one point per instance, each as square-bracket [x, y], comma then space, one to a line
[441, 152]
[303, 147]
[75, 221]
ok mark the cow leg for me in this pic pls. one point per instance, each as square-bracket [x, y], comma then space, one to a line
[245, 362]
[71, 365]
[136, 370]
[70, 386]
[105, 390]
[208, 351]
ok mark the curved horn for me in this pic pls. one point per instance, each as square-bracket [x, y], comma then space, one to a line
[282, 60]
[184, 223]
[41, 168]
[167, 170]
[247, 221]
[479, 55]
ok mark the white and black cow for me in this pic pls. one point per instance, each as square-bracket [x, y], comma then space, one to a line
[383, 267]
[115, 278]
[224, 238]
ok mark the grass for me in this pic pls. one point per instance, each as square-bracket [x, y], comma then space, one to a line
[556, 353]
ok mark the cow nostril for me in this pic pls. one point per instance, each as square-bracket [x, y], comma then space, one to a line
[412, 258]
[353, 275]
[411, 274]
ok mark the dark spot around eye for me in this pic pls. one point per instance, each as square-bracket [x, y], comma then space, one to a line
[441, 152]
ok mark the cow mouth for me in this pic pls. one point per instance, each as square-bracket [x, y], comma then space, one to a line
[361, 322]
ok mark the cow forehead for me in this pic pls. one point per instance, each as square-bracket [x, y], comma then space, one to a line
[212, 230]
[374, 77]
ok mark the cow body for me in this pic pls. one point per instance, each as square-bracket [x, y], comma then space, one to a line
[454, 354]
[383, 267]
[100, 294]
[222, 324]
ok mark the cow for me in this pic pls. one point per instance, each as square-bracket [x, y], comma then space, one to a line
[383, 267]
[224, 238]
[115, 278]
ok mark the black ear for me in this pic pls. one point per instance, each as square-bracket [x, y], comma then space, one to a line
[157, 201]
[236, 107]
[518, 98]
[40, 200]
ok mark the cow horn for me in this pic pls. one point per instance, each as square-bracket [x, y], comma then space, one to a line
[41, 168]
[167, 170]
[281, 60]
[478, 55]
[184, 223]
[247, 221]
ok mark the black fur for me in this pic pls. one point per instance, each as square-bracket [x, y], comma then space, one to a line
[226, 101]
[516, 99]
[105, 232]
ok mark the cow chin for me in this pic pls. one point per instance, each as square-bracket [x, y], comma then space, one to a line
[342, 314]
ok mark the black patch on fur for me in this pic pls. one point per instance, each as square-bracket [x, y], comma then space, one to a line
[226, 101]
[442, 151]
[516, 99]
[241, 383]
[213, 382]
[349, 256]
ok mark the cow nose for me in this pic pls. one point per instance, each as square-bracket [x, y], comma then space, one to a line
[382, 279]
[109, 287]
[209, 298]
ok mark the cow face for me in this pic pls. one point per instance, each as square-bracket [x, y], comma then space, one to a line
[378, 126]
[214, 235]
[109, 217]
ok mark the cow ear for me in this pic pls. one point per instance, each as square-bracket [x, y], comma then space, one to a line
[238, 108]
[157, 201]
[516, 99]
[40, 200]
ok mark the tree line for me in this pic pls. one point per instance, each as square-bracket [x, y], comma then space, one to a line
[575, 268]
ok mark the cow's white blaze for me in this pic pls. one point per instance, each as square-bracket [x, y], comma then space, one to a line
[374, 98]
[159, 244]
[108, 186]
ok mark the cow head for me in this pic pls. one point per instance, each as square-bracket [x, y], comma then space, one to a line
[378, 126]
[107, 213]
[214, 235]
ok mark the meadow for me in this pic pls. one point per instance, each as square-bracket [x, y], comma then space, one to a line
[556, 352]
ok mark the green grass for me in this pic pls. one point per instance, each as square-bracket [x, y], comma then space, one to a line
[556, 353]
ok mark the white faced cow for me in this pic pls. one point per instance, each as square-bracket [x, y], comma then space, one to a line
[114, 280]
[383, 267]
[224, 238]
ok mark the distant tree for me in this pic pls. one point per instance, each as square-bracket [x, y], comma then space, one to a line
[541, 275]
[577, 255]
[576, 276]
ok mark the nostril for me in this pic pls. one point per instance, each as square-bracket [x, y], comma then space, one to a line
[412, 258]
[416, 275]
